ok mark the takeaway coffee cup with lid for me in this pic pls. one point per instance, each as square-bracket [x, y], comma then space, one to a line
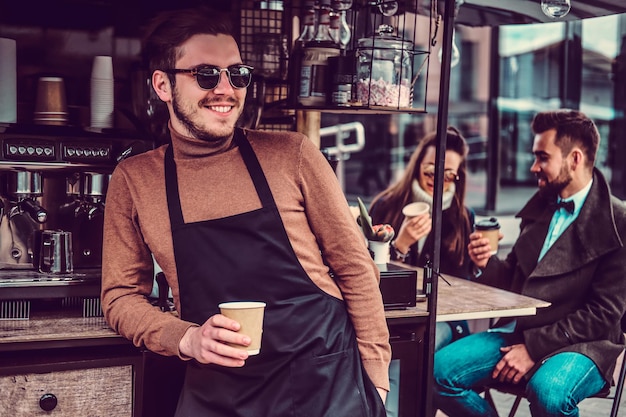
[490, 228]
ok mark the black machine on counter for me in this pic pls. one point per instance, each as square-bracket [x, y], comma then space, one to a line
[398, 286]
[55, 178]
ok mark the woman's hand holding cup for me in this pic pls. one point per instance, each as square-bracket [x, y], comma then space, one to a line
[412, 230]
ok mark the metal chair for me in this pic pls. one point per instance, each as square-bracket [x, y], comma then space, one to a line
[520, 392]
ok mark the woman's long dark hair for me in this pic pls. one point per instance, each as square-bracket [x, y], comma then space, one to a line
[391, 201]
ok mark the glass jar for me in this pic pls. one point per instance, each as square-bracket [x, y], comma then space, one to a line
[314, 77]
[385, 70]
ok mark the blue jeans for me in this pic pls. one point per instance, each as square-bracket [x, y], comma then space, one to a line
[464, 367]
[443, 335]
[392, 404]
[448, 332]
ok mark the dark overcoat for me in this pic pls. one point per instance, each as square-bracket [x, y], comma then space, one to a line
[583, 276]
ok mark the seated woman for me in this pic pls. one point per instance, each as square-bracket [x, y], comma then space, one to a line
[413, 243]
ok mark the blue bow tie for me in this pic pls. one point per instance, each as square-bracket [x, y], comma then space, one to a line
[567, 205]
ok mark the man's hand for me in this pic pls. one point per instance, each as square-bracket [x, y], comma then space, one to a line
[514, 364]
[207, 344]
[479, 249]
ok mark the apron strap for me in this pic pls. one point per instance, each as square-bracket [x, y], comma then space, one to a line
[254, 168]
[171, 188]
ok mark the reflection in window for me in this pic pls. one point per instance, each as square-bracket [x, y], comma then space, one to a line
[530, 61]
[601, 44]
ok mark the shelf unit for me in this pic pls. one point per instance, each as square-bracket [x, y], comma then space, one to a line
[267, 41]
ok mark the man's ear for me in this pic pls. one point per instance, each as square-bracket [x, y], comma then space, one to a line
[577, 157]
[162, 86]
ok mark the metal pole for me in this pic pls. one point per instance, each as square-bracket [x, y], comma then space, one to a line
[442, 124]
[493, 137]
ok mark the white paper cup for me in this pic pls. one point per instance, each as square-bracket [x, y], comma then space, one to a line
[415, 209]
[102, 103]
[249, 314]
[8, 80]
[102, 68]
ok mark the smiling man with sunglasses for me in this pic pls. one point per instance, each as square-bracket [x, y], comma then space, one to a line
[232, 214]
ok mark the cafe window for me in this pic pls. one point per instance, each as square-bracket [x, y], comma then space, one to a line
[529, 81]
[468, 69]
[562, 64]
[601, 41]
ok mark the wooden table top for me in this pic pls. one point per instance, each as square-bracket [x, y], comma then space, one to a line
[466, 300]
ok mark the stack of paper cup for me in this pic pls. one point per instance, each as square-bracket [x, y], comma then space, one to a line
[102, 92]
[8, 81]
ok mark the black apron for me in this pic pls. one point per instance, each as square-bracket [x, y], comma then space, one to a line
[309, 364]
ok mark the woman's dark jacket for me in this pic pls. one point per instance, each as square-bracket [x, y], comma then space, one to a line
[449, 262]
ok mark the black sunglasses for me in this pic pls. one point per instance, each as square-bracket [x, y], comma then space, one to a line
[448, 175]
[208, 76]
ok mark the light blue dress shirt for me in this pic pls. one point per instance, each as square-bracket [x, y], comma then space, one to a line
[561, 219]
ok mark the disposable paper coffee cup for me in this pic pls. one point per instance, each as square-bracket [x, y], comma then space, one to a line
[379, 251]
[415, 209]
[102, 67]
[490, 229]
[249, 314]
[50, 97]
[102, 103]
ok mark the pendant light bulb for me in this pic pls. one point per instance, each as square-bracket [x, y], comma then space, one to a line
[455, 57]
[388, 8]
[555, 9]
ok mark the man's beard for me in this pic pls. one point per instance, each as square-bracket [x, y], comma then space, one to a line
[195, 130]
[553, 188]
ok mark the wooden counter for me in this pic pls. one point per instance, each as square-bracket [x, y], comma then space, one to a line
[52, 353]
[55, 329]
[62, 366]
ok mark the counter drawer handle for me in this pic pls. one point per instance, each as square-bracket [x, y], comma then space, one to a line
[47, 402]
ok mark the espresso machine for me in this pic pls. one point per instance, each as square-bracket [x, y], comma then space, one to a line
[83, 216]
[22, 216]
[52, 200]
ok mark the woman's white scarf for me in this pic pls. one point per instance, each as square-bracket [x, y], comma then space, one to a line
[420, 195]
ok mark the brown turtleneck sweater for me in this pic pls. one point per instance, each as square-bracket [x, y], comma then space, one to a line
[214, 183]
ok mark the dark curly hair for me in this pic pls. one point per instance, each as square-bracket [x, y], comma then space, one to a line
[572, 128]
[171, 28]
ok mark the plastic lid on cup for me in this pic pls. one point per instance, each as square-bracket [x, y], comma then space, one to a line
[487, 224]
